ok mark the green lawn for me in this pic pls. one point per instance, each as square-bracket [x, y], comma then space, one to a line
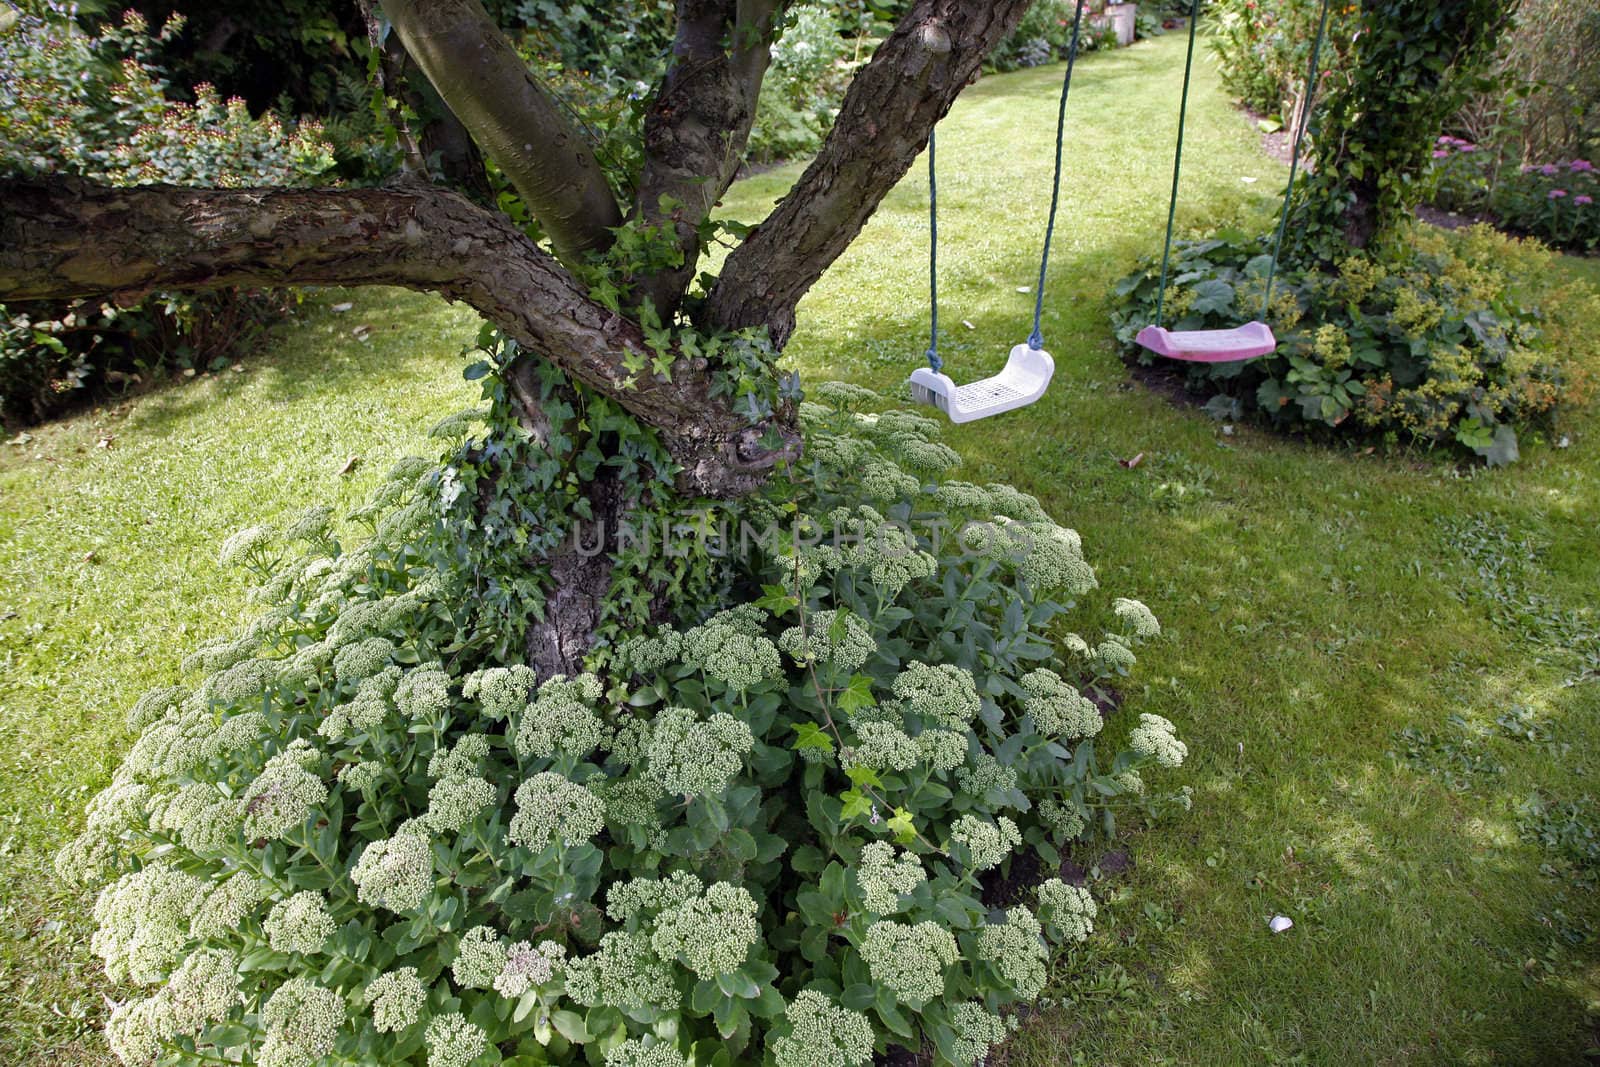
[1319, 603]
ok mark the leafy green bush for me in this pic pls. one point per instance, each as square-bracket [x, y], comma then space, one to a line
[1045, 34]
[1443, 343]
[98, 107]
[804, 84]
[1554, 202]
[758, 836]
[1263, 47]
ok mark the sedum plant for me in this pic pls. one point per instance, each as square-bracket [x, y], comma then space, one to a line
[362, 832]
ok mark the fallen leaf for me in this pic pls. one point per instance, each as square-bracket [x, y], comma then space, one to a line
[362, 332]
[1132, 463]
[968, 325]
[346, 306]
[349, 465]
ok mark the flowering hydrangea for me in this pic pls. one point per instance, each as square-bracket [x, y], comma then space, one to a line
[1017, 951]
[842, 640]
[625, 973]
[709, 934]
[884, 879]
[396, 999]
[944, 694]
[301, 1021]
[689, 757]
[822, 1034]
[1155, 739]
[909, 960]
[283, 794]
[987, 843]
[645, 1052]
[299, 923]
[977, 1031]
[143, 921]
[528, 967]
[731, 655]
[395, 873]
[455, 801]
[1057, 708]
[228, 905]
[551, 807]
[423, 694]
[453, 1041]
[500, 691]
[561, 719]
[480, 957]
[1139, 620]
[1068, 910]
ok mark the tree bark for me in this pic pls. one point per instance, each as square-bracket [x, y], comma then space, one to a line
[892, 104]
[67, 238]
[489, 88]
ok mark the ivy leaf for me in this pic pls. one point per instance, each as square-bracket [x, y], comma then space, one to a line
[855, 803]
[864, 776]
[902, 826]
[857, 695]
[812, 736]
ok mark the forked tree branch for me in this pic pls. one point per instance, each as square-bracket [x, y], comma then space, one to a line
[883, 124]
[485, 83]
[67, 238]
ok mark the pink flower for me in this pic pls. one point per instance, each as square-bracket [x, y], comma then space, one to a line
[1557, 194]
[1527, 168]
[1581, 199]
[1444, 140]
[1549, 170]
[1466, 146]
[1440, 153]
[1578, 166]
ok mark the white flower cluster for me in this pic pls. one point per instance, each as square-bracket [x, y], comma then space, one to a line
[500, 691]
[962, 496]
[228, 905]
[822, 1034]
[1017, 950]
[709, 934]
[202, 817]
[396, 999]
[867, 541]
[943, 750]
[1058, 709]
[1062, 818]
[645, 1052]
[363, 776]
[1068, 910]
[423, 694]
[840, 640]
[284, 793]
[977, 1031]
[301, 1021]
[562, 719]
[625, 973]
[945, 695]
[143, 920]
[528, 966]
[882, 479]
[1111, 656]
[1155, 738]
[551, 807]
[630, 801]
[480, 957]
[987, 843]
[456, 800]
[689, 757]
[635, 897]
[395, 873]
[986, 773]
[884, 879]
[299, 923]
[202, 991]
[246, 545]
[366, 710]
[138, 1030]
[910, 960]
[313, 524]
[1054, 560]
[732, 652]
[1140, 620]
[1013, 503]
[453, 1041]
[882, 746]
[644, 656]
[462, 760]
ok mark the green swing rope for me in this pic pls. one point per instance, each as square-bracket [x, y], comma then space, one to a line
[1294, 156]
[1035, 339]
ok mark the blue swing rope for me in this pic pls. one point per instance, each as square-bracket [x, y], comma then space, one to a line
[1035, 339]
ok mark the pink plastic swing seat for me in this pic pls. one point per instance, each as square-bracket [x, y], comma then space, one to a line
[1210, 346]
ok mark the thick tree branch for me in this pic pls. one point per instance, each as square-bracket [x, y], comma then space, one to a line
[696, 129]
[894, 101]
[489, 88]
[67, 238]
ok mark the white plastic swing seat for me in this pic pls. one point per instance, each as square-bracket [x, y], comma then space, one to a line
[1210, 346]
[1020, 382]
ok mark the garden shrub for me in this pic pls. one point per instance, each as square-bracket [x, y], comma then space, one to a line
[1444, 343]
[1263, 47]
[1045, 34]
[97, 106]
[757, 835]
[803, 87]
[1554, 202]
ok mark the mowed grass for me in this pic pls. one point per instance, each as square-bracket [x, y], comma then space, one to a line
[1318, 602]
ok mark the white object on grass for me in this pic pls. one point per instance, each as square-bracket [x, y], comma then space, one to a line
[1020, 382]
[1280, 923]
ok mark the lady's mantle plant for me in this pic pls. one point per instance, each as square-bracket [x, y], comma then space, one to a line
[360, 835]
